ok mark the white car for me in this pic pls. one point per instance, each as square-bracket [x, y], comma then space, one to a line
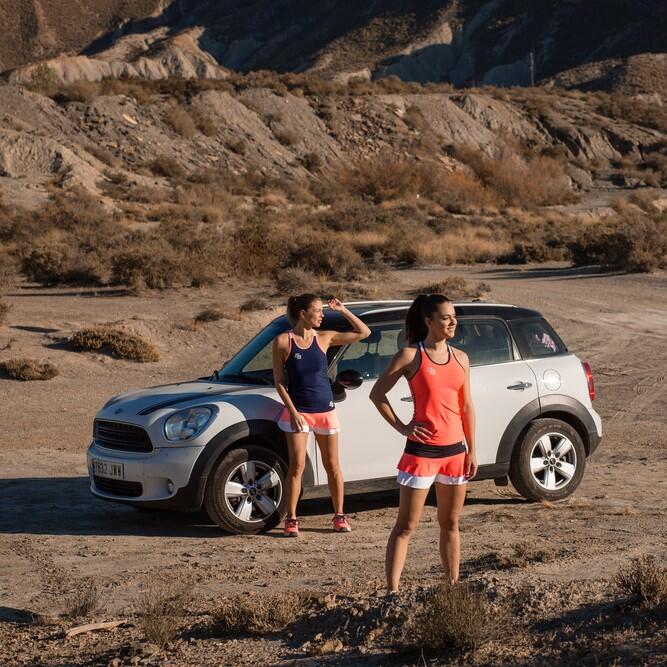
[212, 443]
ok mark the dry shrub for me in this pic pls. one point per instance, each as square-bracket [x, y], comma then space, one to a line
[215, 313]
[205, 123]
[162, 608]
[286, 137]
[4, 309]
[523, 554]
[9, 266]
[237, 145]
[384, 178]
[163, 165]
[328, 255]
[117, 343]
[259, 613]
[463, 192]
[259, 248]
[636, 243]
[312, 161]
[254, 304]
[28, 369]
[453, 616]
[414, 119]
[644, 580]
[84, 600]
[466, 245]
[294, 281]
[536, 181]
[180, 121]
[455, 287]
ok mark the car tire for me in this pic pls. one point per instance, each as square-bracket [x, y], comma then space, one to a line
[548, 462]
[245, 493]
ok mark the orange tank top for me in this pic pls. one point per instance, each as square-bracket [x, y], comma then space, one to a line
[437, 391]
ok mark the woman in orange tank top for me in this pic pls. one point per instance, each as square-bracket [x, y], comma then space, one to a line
[440, 443]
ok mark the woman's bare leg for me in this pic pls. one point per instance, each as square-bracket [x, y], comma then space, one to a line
[328, 445]
[450, 502]
[296, 448]
[410, 508]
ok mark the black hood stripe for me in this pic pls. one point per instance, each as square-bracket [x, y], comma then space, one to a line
[184, 398]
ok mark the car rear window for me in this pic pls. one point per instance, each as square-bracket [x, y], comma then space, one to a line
[536, 338]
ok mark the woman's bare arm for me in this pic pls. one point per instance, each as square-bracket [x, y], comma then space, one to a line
[280, 351]
[360, 332]
[468, 415]
[399, 366]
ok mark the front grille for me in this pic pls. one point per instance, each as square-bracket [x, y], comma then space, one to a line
[118, 487]
[124, 437]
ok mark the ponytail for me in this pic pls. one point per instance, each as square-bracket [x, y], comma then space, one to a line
[421, 308]
[295, 304]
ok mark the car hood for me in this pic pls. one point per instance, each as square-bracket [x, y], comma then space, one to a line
[149, 400]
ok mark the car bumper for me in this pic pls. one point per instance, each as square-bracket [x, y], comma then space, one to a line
[154, 479]
[594, 433]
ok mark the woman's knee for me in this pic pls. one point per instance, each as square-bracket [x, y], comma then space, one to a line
[449, 523]
[405, 529]
[332, 467]
[296, 467]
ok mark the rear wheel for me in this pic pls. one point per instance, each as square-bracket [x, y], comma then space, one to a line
[549, 462]
[245, 493]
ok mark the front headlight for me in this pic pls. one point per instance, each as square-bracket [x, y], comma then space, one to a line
[187, 424]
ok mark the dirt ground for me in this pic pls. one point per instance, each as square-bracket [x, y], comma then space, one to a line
[548, 566]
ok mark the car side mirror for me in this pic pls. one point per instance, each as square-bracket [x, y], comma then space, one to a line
[349, 379]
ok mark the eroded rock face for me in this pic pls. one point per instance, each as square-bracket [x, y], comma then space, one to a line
[592, 44]
[293, 136]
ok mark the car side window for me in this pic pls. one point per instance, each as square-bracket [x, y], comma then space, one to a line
[536, 338]
[485, 340]
[369, 357]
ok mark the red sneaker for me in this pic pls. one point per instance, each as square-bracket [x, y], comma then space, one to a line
[340, 524]
[291, 528]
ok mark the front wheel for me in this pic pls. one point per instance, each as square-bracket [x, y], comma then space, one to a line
[246, 491]
[549, 462]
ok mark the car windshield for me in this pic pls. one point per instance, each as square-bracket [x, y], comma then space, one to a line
[254, 363]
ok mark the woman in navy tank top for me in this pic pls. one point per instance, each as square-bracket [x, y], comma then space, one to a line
[300, 373]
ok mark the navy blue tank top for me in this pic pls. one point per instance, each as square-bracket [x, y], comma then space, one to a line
[308, 382]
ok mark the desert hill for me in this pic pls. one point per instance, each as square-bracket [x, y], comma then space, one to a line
[465, 42]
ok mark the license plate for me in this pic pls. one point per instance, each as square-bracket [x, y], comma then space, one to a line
[108, 469]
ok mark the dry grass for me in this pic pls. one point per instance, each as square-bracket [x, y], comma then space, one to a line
[28, 369]
[455, 617]
[162, 608]
[180, 121]
[215, 313]
[258, 613]
[455, 287]
[644, 580]
[117, 343]
[84, 600]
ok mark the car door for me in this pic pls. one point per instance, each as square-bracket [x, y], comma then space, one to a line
[369, 447]
[501, 383]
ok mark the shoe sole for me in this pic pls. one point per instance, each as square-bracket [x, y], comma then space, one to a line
[342, 530]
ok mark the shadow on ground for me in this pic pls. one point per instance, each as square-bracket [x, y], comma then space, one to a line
[65, 506]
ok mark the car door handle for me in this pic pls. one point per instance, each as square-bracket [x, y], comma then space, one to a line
[520, 386]
[408, 399]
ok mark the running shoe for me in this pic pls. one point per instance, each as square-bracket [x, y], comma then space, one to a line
[291, 528]
[340, 524]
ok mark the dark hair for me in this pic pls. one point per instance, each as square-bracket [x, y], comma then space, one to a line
[422, 307]
[295, 304]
